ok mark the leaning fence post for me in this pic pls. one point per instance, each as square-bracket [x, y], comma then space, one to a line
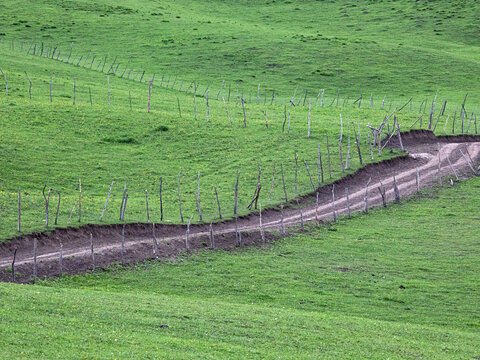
[106, 202]
[123, 200]
[309, 175]
[58, 208]
[382, 191]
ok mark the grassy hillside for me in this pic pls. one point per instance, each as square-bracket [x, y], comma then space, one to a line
[57, 143]
[371, 287]
[394, 48]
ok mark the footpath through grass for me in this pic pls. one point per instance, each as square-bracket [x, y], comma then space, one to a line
[399, 283]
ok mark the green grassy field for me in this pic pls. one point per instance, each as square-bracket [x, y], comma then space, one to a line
[394, 48]
[371, 287]
[399, 283]
[58, 142]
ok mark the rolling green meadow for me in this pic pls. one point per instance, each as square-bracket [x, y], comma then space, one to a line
[398, 283]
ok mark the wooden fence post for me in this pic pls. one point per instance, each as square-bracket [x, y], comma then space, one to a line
[218, 203]
[244, 115]
[395, 190]
[309, 175]
[80, 200]
[161, 201]
[148, 210]
[262, 230]
[382, 191]
[123, 245]
[123, 200]
[296, 170]
[283, 180]
[124, 206]
[329, 160]
[320, 166]
[106, 201]
[19, 228]
[340, 143]
[212, 240]
[357, 141]
[334, 211]
[58, 208]
[179, 197]
[187, 236]
[13, 264]
[370, 142]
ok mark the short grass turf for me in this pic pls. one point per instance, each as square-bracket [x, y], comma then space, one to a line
[393, 48]
[399, 283]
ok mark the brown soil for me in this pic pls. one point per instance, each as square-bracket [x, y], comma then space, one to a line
[422, 149]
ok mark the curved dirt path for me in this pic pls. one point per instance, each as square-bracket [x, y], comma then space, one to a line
[427, 153]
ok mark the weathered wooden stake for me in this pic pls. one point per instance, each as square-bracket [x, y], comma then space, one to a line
[124, 207]
[80, 200]
[123, 200]
[309, 175]
[395, 190]
[179, 197]
[106, 201]
[382, 191]
[357, 141]
[161, 201]
[283, 180]
[148, 210]
[262, 230]
[320, 166]
[123, 245]
[187, 236]
[19, 228]
[71, 214]
[218, 203]
[329, 160]
[395, 120]
[13, 264]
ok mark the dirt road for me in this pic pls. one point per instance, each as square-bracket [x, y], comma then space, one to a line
[434, 157]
